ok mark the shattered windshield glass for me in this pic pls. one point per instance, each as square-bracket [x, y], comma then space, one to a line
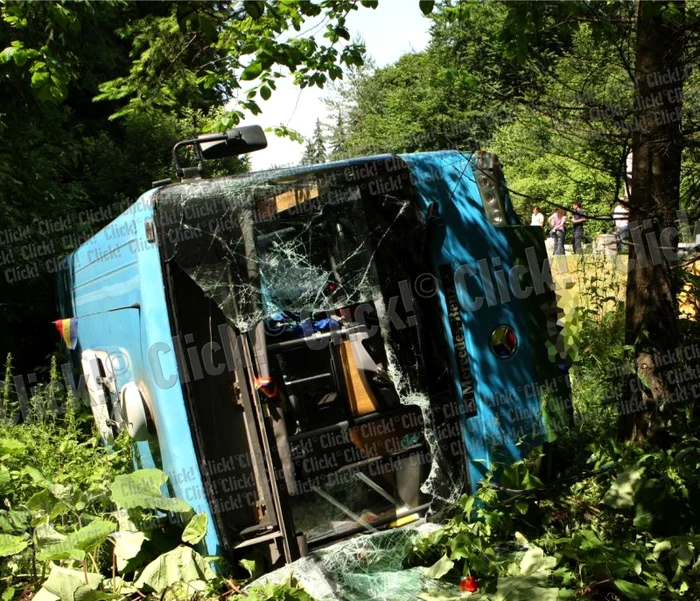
[299, 243]
[329, 256]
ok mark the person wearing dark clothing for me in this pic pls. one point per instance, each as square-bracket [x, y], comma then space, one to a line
[578, 218]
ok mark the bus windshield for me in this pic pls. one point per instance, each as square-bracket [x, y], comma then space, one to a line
[268, 244]
[308, 253]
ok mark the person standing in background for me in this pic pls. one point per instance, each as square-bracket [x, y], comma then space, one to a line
[557, 229]
[537, 217]
[578, 218]
[621, 219]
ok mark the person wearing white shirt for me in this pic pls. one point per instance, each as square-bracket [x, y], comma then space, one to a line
[537, 217]
[621, 219]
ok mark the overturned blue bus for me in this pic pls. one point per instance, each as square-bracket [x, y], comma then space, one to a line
[318, 351]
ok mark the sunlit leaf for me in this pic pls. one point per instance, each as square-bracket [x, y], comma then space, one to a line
[636, 592]
[11, 545]
[142, 489]
[182, 564]
[71, 585]
[252, 71]
[621, 493]
[440, 568]
[76, 544]
[127, 545]
[196, 529]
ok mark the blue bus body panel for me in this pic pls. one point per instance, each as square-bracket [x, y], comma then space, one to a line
[118, 296]
[466, 238]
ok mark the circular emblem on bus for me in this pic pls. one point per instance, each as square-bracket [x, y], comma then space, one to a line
[503, 342]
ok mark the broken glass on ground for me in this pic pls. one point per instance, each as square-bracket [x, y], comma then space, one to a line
[365, 568]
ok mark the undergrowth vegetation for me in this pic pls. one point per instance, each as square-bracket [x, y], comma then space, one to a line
[78, 524]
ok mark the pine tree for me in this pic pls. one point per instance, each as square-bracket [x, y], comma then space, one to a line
[338, 138]
[315, 151]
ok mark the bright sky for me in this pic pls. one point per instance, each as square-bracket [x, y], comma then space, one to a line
[394, 28]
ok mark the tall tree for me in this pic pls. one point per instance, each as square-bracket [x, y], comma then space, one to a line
[338, 139]
[657, 146]
[315, 151]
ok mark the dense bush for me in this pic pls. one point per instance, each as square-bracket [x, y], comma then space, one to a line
[78, 524]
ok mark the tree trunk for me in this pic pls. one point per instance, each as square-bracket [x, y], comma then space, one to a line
[651, 324]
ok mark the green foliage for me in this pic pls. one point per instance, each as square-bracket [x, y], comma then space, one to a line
[629, 526]
[514, 78]
[198, 52]
[620, 522]
[82, 528]
[11, 545]
[287, 591]
[315, 152]
[142, 489]
[182, 564]
[196, 529]
[61, 157]
[72, 585]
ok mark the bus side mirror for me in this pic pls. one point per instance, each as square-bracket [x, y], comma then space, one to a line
[241, 140]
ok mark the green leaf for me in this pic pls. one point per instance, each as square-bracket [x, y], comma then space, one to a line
[61, 492]
[44, 595]
[441, 567]
[684, 555]
[35, 475]
[369, 3]
[40, 79]
[426, 6]
[635, 592]
[284, 132]
[45, 534]
[11, 545]
[76, 544]
[5, 478]
[8, 446]
[71, 585]
[536, 564]
[252, 71]
[621, 494]
[254, 567]
[643, 518]
[15, 521]
[6, 54]
[8, 594]
[142, 489]
[23, 55]
[265, 92]
[196, 530]
[127, 545]
[255, 8]
[44, 502]
[660, 547]
[519, 588]
[182, 564]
